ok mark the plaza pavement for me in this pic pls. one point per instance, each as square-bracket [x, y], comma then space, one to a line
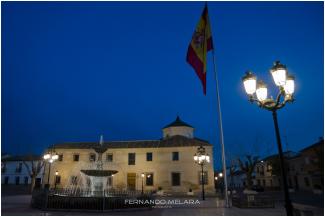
[20, 205]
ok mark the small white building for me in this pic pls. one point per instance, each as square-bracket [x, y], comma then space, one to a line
[15, 172]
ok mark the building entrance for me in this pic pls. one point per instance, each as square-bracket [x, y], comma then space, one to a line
[131, 181]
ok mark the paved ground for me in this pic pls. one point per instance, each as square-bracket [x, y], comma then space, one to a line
[17, 202]
[19, 205]
[7, 190]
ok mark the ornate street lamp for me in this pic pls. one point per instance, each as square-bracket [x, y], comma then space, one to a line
[201, 158]
[142, 176]
[286, 86]
[50, 157]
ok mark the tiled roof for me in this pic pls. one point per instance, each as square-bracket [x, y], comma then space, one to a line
[178, 123]
[175, 141]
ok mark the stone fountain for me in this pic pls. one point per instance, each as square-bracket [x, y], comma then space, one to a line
[98, 176]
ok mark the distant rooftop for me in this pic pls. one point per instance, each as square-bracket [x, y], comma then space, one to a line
[29, 157]
[315, 145]
[286, 154]
[174, 141]
[178, 123]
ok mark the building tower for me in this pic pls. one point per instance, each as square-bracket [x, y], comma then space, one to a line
[178, 127]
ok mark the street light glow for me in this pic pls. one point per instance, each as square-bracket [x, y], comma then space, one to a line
[208, 158]
[249, 81]
[55, 157]
[289, 86]
[46, 156]
[261, 91]
[279, 73]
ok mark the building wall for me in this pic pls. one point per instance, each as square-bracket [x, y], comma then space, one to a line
[11, 172]
[313, 165]
[298, 176]
[161, 166]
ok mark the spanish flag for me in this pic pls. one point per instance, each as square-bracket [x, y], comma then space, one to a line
[201, 43]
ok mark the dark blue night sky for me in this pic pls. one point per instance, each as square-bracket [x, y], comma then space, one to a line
[73, 71]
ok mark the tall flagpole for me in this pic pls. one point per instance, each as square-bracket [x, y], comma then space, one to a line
[221, 132]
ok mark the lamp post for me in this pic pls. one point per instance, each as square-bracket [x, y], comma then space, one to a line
[201, 158]
[50, 157]
[56, 178]
[142, 176]
[286, 86]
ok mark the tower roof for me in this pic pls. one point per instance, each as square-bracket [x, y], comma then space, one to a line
[178, 123]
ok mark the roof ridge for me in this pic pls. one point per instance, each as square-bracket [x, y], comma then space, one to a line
[178, 123]
[145, 140]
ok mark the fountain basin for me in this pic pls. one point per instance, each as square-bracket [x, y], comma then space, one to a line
[99, 173]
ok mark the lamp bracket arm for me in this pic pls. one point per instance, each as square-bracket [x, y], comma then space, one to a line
[277, 101]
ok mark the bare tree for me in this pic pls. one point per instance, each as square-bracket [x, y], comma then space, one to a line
[34, 166]
[248, 167]
[232, 169]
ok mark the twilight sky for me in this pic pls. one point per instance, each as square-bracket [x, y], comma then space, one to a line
[74, 70]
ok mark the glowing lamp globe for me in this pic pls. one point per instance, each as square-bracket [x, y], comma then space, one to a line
[261, 91]
[249, 81]
[279, 73]
[289, 86]
[46, 156]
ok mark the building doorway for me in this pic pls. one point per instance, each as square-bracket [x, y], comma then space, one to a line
[131, 177]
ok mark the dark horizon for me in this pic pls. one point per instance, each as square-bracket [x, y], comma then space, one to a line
[72, 71]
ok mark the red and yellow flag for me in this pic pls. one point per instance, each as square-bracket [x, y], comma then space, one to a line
[201, 43]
